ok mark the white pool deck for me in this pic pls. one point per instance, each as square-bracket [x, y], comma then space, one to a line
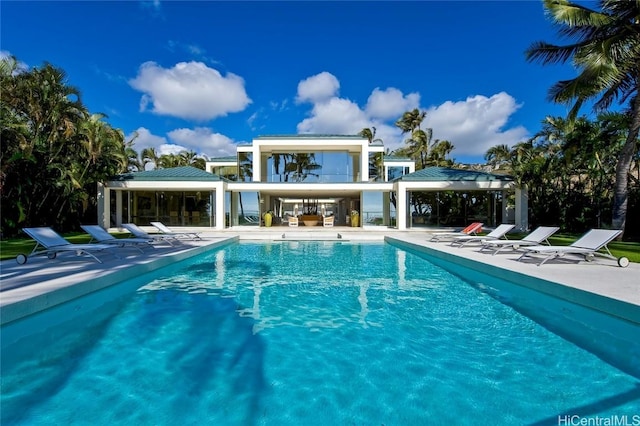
[42, 283]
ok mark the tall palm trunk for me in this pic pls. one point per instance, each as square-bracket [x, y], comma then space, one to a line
[621, 196]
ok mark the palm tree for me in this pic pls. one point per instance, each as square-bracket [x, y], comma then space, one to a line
[369, 133]
[150, 156]
[605, 49]
[497, 156]
[190, 158]
[54, 113]
[439, 153]
[168, 161]
[53, 150]
[411, 120]
[419, 145]
[102, 142]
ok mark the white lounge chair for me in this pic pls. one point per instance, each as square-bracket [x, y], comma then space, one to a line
[100, 235]
[588, 246]
[138, 232]
[471, 229]
[50, 243]
[539, 236]
[496, 234]
[293, 221]
[327, 221]
[167, 231]
[251, 219]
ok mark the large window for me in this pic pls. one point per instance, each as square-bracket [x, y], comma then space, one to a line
[455, 208]
[248, 208]
[395, 172]
[245, 167]
[373, 208]
[179, 208]
[144, 207]
[376, 171]
[171, 208]
[320, 167]
[227, 172]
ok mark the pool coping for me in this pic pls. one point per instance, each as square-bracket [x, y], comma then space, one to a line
[628, 310]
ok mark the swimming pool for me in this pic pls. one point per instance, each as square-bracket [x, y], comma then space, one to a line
[313, 333]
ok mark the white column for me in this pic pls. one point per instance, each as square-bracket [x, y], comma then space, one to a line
[355, 165]
[364, 166]
[220, 218]
[401, 208]
[386, 208]
[257, 165]
[104, 206]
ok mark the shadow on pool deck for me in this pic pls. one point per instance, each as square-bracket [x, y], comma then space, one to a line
[39, 268]
[42, 283]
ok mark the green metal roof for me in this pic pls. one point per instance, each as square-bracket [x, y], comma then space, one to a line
[186, 173]
[438, 174]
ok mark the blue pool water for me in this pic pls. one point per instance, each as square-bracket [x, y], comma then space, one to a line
[314, 333]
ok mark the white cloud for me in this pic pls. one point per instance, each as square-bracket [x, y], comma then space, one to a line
[390, 104]
[145, 139]
[318, 88]
[331, 114]
[204, 141]
[476, 124]
[472, 126]
[168, 148]
[335, 116]
[189, 90]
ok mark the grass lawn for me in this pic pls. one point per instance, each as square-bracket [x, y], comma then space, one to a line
[9, 249]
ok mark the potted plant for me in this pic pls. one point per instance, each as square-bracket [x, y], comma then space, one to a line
[355, 218]
[268, 217]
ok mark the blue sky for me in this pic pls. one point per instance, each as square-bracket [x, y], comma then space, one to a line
[209, 75]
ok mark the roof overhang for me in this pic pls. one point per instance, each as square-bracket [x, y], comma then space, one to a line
[176, 185]
[310, 190]
[495, 185]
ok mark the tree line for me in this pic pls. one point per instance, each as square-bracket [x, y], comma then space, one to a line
[568, 167]
[55, 151]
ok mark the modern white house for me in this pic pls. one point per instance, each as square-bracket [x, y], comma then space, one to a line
[310, 177]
